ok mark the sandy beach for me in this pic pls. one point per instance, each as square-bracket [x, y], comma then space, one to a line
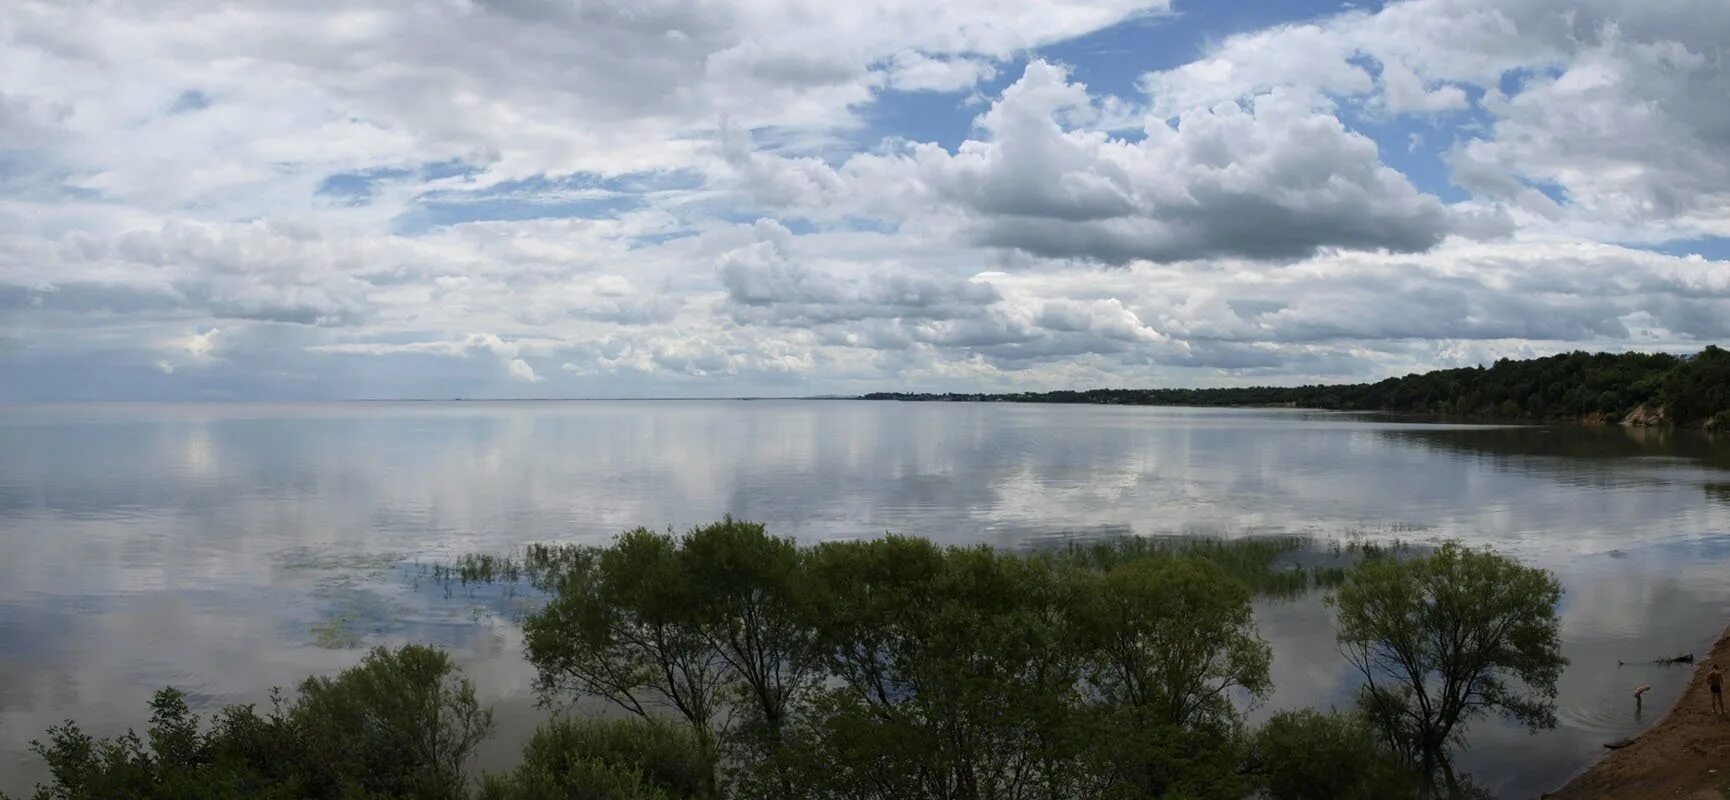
[1686, 755]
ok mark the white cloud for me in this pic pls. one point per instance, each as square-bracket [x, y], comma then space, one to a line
[518, 87]
[767, 283]
[1607, 112]
[1276, 179]
[201, 346]
[521, 371]
[913, 71]
[297, 176]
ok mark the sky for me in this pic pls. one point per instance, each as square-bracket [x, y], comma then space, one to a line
[314, 199]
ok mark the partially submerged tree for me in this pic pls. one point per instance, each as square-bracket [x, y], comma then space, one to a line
[1445, 638]
[949, 677]
[752, 609]
[622, 626]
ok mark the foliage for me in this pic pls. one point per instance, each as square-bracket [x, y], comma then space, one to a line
[891, 668]
[630, 759]
[622, 626]
[172, 761]
[1172, 637]
[399, 725]
[1699, 389]
[1576, 385]
[754, 614]
[1256, 562]
[897, 668]
[950, 675]
[1443, 638]
[1169, 638]
[1308, 755]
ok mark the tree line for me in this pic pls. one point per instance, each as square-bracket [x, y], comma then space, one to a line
[1682, 390]
[742, 665]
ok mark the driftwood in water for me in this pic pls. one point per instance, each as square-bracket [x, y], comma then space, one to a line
[1619, 745]
[1685, 658]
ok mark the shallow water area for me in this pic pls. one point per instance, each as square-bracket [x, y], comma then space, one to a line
[228, 548]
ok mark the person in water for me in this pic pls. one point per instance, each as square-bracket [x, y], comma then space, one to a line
[1715, 682]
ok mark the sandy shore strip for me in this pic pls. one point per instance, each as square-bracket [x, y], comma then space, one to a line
[1686, 755]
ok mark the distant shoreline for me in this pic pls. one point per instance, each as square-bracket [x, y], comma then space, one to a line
[1653, 390]
[1399, 416]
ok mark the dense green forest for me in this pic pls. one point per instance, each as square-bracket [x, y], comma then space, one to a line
[1682, 390]
[742, 665]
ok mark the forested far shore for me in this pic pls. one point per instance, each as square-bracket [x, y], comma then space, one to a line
[1628, 388]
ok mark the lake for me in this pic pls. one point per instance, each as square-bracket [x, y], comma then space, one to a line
[228, 548]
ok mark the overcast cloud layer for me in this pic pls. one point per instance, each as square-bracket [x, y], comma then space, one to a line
[527, 198]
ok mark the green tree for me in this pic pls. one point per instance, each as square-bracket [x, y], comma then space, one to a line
[400, 724]
[711, 625]
[630, 759]
[951, 678]
[1168, 640]
[623, 625]
[1447, 637]
[752, 609]
[1174, 636]
[1308, 755]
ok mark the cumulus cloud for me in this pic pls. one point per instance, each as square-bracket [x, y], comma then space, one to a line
[293, 199]
[1595, 108]
[1623, 136]
[766, 282]
[520, 370]
[518, 88]
[913, 71]
[490, 346]
[1271, 179]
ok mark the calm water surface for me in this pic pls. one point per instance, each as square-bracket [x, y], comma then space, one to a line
[224, 549]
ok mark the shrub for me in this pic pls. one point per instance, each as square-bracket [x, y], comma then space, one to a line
[630, 759]
[399, 725]
[1308, 755]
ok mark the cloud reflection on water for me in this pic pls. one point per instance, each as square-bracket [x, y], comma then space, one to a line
[203, 545]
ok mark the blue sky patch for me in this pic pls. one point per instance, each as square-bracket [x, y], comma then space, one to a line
[188, 101]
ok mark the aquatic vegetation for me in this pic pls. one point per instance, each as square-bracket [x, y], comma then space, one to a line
[869, 670]
[314, 559]
[1281, 565]
[335, 633]
[352, 608]
[1275, 566]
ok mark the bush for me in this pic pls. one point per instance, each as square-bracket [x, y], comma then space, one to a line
[609, 760]
[399, 725]
[1307, 755]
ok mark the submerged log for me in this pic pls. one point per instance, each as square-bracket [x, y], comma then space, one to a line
[1685, 658]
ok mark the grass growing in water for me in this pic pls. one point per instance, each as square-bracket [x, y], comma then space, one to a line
[1271, 566]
